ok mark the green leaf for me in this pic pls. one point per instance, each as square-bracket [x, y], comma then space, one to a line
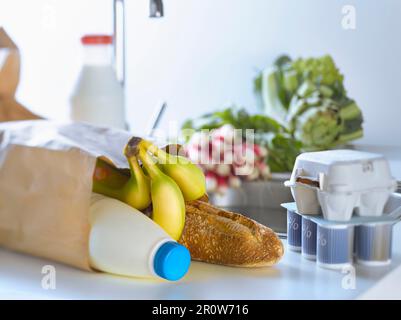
[283, 150]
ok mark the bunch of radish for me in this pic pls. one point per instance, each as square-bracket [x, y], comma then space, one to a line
[226, 158]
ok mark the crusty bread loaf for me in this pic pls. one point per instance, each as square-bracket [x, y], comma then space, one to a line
[217, 236]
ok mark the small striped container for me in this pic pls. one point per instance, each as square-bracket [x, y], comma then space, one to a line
[309, 237]
[335, 246]
[373, 244]
[294, 231]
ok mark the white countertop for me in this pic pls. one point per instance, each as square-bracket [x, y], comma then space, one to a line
[387, 288]
[292, 278]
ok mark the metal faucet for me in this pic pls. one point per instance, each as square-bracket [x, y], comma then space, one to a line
[156, 11]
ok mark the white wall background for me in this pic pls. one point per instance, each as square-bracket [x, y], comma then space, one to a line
[204, 53]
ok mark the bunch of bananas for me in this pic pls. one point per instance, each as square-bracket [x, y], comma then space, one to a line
[164, 180]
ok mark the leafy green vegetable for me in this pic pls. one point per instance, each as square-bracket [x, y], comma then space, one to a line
[317, 127]
[321, 70]
[283, 150]
[308, 98]
[273, 95]
[238, 118]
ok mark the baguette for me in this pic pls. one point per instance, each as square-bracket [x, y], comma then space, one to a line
[217, 236]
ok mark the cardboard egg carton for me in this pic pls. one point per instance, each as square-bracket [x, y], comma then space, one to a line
[339, 183]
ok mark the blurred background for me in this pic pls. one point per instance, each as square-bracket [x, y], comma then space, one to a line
[205, 54]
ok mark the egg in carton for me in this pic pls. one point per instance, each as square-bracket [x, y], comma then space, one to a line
[340, 182]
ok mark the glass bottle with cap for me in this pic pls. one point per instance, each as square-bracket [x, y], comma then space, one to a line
[98, 97]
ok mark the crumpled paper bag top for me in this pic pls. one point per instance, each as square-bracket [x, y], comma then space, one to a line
[46, 173]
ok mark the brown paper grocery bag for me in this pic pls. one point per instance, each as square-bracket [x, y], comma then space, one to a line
[46, 173]
[10, 63]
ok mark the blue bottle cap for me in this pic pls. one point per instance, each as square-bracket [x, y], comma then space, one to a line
[171, 261]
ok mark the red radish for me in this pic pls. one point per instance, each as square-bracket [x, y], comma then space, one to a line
[209, 166]
[222, 184]
[218, 149]
[264, 169]
[253, 175]
[205, 156]
[250, 156]
[244, 170]
[226, 160]
[260, 151]
[238, 157]
[211, 181]
[193, 154]
[256, 150]
[225, 133]
[221, 181]
[263, 152]
[234, 182]
[200, 139]
[223, 170]
[228, 157]
[243, 153]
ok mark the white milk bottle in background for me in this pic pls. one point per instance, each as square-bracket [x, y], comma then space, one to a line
[126, 242]
[98, 97]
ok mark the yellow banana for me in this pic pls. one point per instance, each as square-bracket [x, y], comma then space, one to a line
[167, 200]
[134, 190]
[187, 175]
